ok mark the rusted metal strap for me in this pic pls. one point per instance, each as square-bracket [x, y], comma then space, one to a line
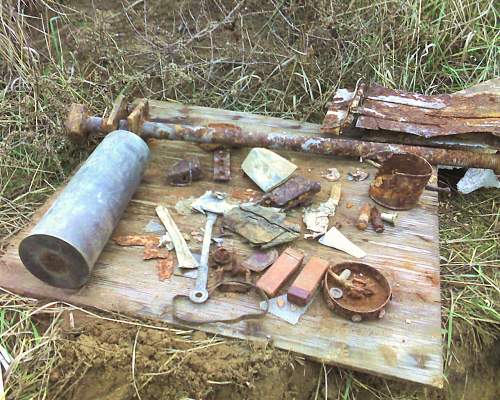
[220, 284]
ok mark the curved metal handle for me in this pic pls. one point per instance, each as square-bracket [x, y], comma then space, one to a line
[199, 294]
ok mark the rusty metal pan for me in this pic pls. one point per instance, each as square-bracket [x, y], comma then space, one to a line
[368, 307]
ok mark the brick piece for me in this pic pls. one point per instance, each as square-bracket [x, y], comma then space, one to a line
[307, 282]
[274, 278]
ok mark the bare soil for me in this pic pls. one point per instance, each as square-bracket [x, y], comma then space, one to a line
[101, 359]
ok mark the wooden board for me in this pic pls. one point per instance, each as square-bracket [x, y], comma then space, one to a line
[405, 344]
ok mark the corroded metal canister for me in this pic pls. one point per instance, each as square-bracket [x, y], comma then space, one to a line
[400, 181]
[358, 308]
[65, 244]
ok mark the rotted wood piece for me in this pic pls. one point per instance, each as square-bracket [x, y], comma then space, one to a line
[118, 112]
[138, 116]
[76, 123]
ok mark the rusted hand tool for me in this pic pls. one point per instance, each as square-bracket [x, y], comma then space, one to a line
[79, 125]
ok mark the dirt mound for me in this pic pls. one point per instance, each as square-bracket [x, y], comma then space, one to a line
[98, 361]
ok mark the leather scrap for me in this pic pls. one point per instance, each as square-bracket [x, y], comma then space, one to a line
[263, 227]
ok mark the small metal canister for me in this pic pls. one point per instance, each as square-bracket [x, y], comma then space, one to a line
[400, 181]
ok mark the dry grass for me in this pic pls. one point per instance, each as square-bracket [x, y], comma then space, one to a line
[278, 58]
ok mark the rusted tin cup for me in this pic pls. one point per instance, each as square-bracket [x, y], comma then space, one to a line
[400, 181]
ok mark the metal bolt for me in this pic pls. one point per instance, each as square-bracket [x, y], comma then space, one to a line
[356, 318]
[336, 292]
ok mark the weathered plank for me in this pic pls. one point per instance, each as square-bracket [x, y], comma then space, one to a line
[405, 344]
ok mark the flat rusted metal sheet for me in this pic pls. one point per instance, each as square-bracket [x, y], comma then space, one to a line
[380, 108]
[405, 344]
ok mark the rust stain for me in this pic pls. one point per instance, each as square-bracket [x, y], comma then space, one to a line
[165, 267]
[390, 355]
[136, 240]
[151, 251]
[421, 359]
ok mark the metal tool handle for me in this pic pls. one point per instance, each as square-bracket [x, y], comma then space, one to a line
[199, 294]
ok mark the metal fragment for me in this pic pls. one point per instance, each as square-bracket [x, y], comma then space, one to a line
[216, 202]
[154, 226]
[222, 256]
[184, 172]
[283, 309]
[184, 206]
[136, 240]
[376, 220]
[296, 191]
[364, 217]
[379, 108]
[152, 252]
[165, 267]
[258, 261]
[358, 175]
[331, 174]
[222, 165]
[263, 227]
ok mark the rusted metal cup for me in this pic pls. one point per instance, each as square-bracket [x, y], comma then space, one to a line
[400, 181]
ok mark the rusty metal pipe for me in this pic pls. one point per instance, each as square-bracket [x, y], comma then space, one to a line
[232, 135]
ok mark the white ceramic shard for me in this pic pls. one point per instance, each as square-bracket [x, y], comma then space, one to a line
[333, 238]
[266, 168]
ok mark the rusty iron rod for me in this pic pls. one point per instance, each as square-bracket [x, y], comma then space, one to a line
[232, 135]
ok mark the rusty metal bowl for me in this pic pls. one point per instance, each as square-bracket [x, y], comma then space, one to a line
[400, 181]
[367, 308]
